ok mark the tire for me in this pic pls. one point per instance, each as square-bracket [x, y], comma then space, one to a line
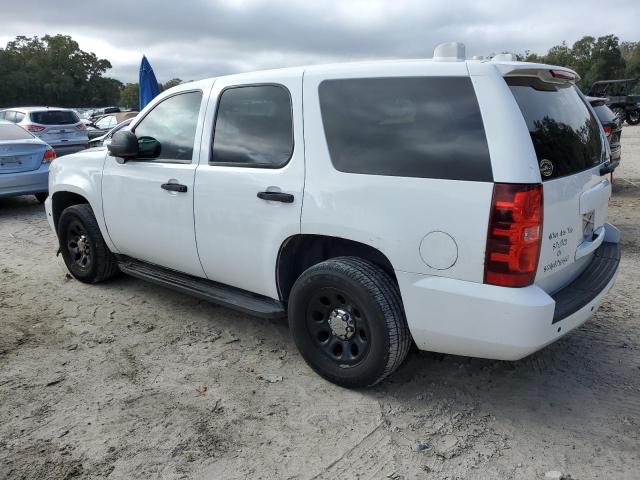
[633, 118]
[42, 196]
[82, 246]
[343, 302]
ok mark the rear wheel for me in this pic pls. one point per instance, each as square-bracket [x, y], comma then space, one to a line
[633, 117]
[42, 196]
[82, 246]
[347, 320]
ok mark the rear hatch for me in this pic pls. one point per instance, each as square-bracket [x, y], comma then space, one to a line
[19, 151]
[58, 127]
[570, 148]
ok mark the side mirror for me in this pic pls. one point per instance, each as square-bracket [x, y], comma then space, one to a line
[124, 144]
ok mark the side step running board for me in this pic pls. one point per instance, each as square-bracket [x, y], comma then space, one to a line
[224, 295]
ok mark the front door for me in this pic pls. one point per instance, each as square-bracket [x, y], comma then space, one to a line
[148, 201]
[249, 185]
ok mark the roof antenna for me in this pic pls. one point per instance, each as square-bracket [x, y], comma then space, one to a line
[450, 52]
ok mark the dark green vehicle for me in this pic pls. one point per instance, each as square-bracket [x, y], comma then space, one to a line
[623, 95]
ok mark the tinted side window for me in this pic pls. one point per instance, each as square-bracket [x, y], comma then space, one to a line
[254, 127]
[565, 134]
[167, 133]
[427, 127]
[10, 116]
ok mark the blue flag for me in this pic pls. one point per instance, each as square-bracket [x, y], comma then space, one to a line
[148, 84]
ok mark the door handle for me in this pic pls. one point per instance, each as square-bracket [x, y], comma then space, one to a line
[276, 197]
[174, 187]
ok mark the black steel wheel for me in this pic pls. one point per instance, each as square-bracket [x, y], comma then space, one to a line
[78, 245]
[82, 246]
[338, 326]
[347, 320]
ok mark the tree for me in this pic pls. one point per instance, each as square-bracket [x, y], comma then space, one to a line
[130, 95]
[631, 54]
[171, 83]
[605, 62]
[53, 70]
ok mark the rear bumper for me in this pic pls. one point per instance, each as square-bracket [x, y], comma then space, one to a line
[25, 183]
[472, 319]
[64, 149]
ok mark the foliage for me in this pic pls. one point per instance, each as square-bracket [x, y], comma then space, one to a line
[53, 70]
[602, 58]
[129, 96]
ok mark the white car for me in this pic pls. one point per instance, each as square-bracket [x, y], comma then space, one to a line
[459, 204]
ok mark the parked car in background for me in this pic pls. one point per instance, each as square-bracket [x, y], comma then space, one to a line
[24, 162]
[106, 138]
[455, 203]
[104, 124]
[59, 127]
[620, 98]
[98, 112]
[612, 125]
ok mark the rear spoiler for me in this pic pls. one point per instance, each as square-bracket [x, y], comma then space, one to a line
[556, 75]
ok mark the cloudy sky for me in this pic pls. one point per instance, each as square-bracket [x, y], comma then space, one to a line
[193, 39]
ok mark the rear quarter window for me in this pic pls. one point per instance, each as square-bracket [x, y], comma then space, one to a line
[427, 127]
[54, 117]
[565, 134]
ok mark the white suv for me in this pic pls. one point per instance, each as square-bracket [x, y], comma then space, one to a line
[457, 204]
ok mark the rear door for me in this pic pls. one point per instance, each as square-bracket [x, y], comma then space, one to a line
[248, 188]
[570, 149]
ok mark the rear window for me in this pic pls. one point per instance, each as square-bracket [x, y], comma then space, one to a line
[427, 127]
[54, 117]
[565, 134]
[13, 132]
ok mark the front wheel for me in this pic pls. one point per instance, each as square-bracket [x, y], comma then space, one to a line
[41, 197]
[82, 246]
[347, 320]
[633, 117]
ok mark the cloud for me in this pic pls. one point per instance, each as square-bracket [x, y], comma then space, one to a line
[194, 39]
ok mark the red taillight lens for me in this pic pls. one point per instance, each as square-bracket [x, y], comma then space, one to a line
[33, 128]
[81, 126]
[515, 235]
[607, 130]
[49, 155]
[562, 74]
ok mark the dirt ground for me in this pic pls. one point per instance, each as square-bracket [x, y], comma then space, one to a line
[129, 380]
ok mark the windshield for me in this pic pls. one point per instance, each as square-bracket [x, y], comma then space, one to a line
[565, 134]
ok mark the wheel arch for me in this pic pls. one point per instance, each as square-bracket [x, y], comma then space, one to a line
[63, 199]
[299, 252]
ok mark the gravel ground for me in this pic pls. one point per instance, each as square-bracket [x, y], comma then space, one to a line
[129, 380]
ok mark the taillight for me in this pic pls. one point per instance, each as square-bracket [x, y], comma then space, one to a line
[33, 128]
[562, 74]
[81, 126]
[49, 155]
[515, 235]
[607, 130]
